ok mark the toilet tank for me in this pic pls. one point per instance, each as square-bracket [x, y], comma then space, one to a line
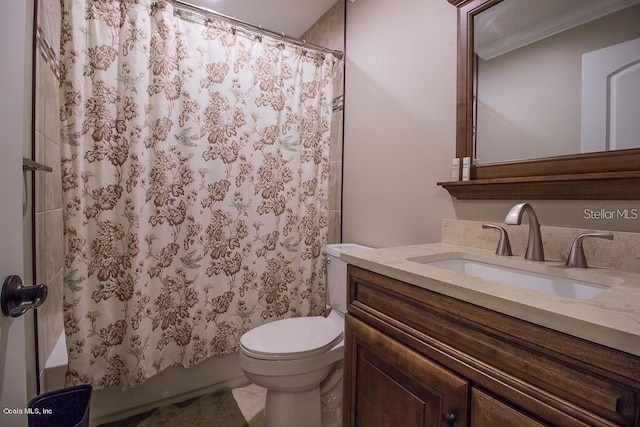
[337, 274]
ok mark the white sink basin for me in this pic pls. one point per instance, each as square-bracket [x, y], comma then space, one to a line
[554, 285]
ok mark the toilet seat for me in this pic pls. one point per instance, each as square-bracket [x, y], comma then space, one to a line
[294, 338]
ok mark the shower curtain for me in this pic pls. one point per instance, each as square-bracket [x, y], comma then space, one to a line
[195, 178]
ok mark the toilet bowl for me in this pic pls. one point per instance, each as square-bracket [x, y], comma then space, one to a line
[299, 360]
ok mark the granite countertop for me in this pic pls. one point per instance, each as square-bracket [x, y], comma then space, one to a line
[611, 318]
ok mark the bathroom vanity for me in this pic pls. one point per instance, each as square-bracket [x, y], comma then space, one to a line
[425, 346]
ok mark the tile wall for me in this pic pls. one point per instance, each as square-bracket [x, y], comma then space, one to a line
[49, 248]
[328, 31]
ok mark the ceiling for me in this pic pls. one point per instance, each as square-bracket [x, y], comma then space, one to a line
[291, 17]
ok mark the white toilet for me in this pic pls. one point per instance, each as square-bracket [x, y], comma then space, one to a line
[299, 360]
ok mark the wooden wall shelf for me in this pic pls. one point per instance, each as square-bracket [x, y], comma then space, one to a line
[591, 186]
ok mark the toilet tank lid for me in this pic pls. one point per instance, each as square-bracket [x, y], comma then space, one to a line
[336, 249]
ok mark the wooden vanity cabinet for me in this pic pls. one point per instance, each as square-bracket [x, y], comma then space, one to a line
[414, 357]
[397, 386]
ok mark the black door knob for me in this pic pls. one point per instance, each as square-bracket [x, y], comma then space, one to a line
[16, 299]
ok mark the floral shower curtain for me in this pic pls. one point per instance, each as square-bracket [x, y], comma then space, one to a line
[195, 179]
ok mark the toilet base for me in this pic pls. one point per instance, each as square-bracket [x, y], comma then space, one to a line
[331, 397]
[284, 409]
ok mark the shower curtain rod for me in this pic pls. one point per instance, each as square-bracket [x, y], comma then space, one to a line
[337, 53]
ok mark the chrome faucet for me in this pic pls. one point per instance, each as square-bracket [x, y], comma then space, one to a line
[535, 251]
[576, 258]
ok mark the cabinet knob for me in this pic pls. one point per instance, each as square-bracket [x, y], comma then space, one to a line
[449, 418]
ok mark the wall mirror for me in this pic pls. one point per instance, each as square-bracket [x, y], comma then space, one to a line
[525, 81]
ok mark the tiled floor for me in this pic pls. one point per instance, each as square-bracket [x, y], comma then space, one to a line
[241, 407]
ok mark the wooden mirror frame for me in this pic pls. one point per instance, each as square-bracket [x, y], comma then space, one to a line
[607, 175]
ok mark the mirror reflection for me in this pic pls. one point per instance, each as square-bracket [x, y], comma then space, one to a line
[556, 77]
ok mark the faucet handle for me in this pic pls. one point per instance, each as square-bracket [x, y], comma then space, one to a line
[504, 247]
[576, 256]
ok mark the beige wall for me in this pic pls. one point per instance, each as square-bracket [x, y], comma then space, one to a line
[399, 120]
[400, 131]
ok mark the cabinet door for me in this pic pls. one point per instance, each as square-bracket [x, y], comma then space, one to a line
[489, 412]
[389, 384]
